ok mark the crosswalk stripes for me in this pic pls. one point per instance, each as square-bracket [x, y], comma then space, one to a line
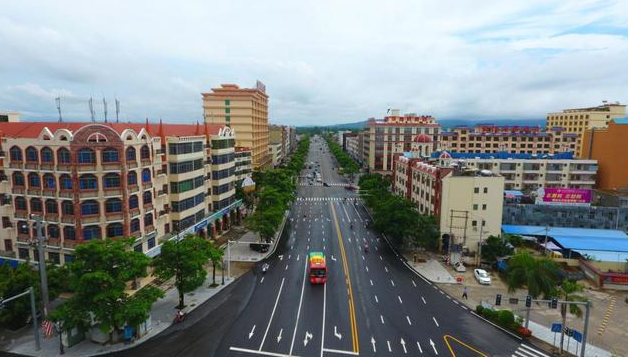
[525, 350]
[327, 199]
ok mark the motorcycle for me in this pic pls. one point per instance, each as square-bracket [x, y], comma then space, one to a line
[179, 317]
[265, 268]
[366, 248]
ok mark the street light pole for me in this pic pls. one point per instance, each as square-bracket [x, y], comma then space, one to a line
[42, 266]
[31, 293]
[228, 259]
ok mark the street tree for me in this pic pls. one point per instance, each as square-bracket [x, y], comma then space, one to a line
[184, 260]
[215, 254]
[568, 291]
[494, 247]
[538, 275]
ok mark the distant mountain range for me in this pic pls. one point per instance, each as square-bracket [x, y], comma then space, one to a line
[449, 123]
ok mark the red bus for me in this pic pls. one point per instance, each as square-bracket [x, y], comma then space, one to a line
[318, 268]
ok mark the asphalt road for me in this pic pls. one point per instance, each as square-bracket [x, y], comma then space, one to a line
[372, 304]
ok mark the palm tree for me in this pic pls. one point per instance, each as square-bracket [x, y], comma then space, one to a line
[538, 275]
[567, 292]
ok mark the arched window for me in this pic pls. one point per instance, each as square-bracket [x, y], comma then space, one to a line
[92, 232]
[46, 155]
[133, 202]
[52, 207]
[69, 233]
[113, 206]
[97, 138]
[114, 230]
[147, 198]
[53, 231]
[90, 207]
[31, 154]
[130, 154]
[145, 152]
[49, 181]
[63, 156]
[33, 180]
[18, 179]
[145, 175]
[22, 227]
[36, 205]
[88, 182]
[67, 207]
[148, 219]
[86, 156]
[65, 182]
[131, 178]
[111, 181]
[135, 225]
[110, 155]
[20, 203]
[16, 154]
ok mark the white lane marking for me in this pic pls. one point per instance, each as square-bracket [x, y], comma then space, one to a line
[346, 213]
[403, 344]
[289, 256]
[367, 268]
[456, 302]
[262, 280]
[324, 308]
[409, 323]
[376, 300]
[362, 257]
[371, 282]
[419, 346]
[413, 284]
[323, 247]
[308, 336]
[298, 257]
[435, 321]
[388, 342]
[463, 306]
[423, 300]
[338, 335]
[272, 313]
[279, 336]
[433, 346]
[286, 267]
[338, 351]
[296, 325]
[252, 332]
[380, 256]
[386, 269]
[393, 283]
[448, 297]
[373, 344]
[257, 353]
[356, 211]
[399, 297]
[441, 291]
[308, 247]
[541, 354]
[381, 318]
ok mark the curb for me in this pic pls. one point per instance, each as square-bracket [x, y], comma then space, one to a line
[494, 325]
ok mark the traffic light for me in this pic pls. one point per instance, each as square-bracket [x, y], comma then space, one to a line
[498, 300]
[528, 301]
[554, 303]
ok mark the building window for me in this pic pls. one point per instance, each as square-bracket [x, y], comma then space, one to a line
[113, 206]
[91, 232]
[22, 227]
[111, 181]
[49, 181]
[114, 230]
[90, 207]
[486, 190]
[66, 182]
[16, 154]
[23, 253]
[86, 156]
[474, 223]
[46, 155]
[130, 154]
[146, 175]
[148, 220]
[483, 206]
[475, 206]
[133, 202]
[31, 155]
[145, 152]
[135, 225]
[151, 243]
[67, 207]
[88, 182]
[185, 148]
[476, 190]
[227, 102]
[131, 178]
[137, 248]
[68, 258]
[54, 257]
[63, 156]
[110, 155]
[69, 233]
[20, 203]
[36, 205]
[18, 179]
[51, 207]
[147, 198]
[53, 231]
[33, 180]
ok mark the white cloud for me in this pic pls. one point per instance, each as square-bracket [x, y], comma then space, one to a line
[322, 62]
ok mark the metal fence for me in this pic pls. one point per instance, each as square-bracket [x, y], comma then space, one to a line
[593, 217]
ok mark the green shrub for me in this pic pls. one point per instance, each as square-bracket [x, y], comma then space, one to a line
[479, 309]
[505, 318]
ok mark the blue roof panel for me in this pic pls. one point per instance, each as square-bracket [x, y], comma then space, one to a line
[576, 238]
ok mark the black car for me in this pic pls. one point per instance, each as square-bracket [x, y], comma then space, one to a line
[325, 184]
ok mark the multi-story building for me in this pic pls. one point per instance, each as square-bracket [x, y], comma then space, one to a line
[394, 135]
[94, 180]
[9, 116]
[346, 136]
[466, 202]
[275, 151]
[293, 138]
[488, 138]
[580, 119]
[609, 146]
[352, 146]
[246, 111]
[278, 140]
[242, 163]
[529, 172]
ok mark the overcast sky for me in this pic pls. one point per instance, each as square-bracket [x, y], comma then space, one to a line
[323, 62]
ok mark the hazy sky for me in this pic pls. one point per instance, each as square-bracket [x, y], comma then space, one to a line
[322, 62]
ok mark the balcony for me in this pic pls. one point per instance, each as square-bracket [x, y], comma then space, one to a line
[36, 192]
[112, 167]
[146, 162]
[64, 168]
[134, 212]
[147, 185]
[88, 194]
[55, 242]
[70, 244]
[133, 188]
[110, 217]
[8, 254]
[31, 166]
[51, 217]
[68, 219]
[23, 238]
[15, 190]
[148, 207]
[161, 192]
[66, 194]
[49, 192]
[16, 165]
[86, 168]
[21, 214]
[90, 219]
[137, 234]
[131, 165]
[113, 192]
[47, 166]
[149, 229]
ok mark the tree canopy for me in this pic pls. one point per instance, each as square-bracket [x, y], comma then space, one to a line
[539, 275]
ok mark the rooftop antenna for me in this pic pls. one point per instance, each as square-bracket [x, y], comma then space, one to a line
[104, 102]
[58, 101]
[117, 111]
[91, 109]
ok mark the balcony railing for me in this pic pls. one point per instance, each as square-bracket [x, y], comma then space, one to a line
[64, 167]
[17, 190]
[51, 217]
[47, 167]
[113, 217]
[86, 168]
[49, 192]
[133, 188]
[68, 219]
[113, 192]
[131, 165]
[70, 244]
[66, 194]
[88, 194]
[33, 192]
[90, 219]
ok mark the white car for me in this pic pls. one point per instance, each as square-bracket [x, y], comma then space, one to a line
[459, 267]
[482, 276]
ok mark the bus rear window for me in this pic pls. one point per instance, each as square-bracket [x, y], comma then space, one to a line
[317, 272]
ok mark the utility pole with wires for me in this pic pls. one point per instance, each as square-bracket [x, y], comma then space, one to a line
[91, 109]
[457, 214]
[545, 245]
[58, 101]
[117, 111]
[104, 102]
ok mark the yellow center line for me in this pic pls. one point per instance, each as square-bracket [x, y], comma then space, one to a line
[354, 326]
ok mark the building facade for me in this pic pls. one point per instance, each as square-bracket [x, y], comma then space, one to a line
[527, 172]
[246, 111]
[352, 144]
[395, 135]
[95, 180]
[9, 116]
[275, 151]
[243, 167]
[578, 120]
[487, 138]
[609, 147]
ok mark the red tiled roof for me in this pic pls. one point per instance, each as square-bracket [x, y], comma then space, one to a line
[33, 129]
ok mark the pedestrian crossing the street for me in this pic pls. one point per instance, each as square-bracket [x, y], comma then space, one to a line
[321, 184]
[352, 199]
[525, 350]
